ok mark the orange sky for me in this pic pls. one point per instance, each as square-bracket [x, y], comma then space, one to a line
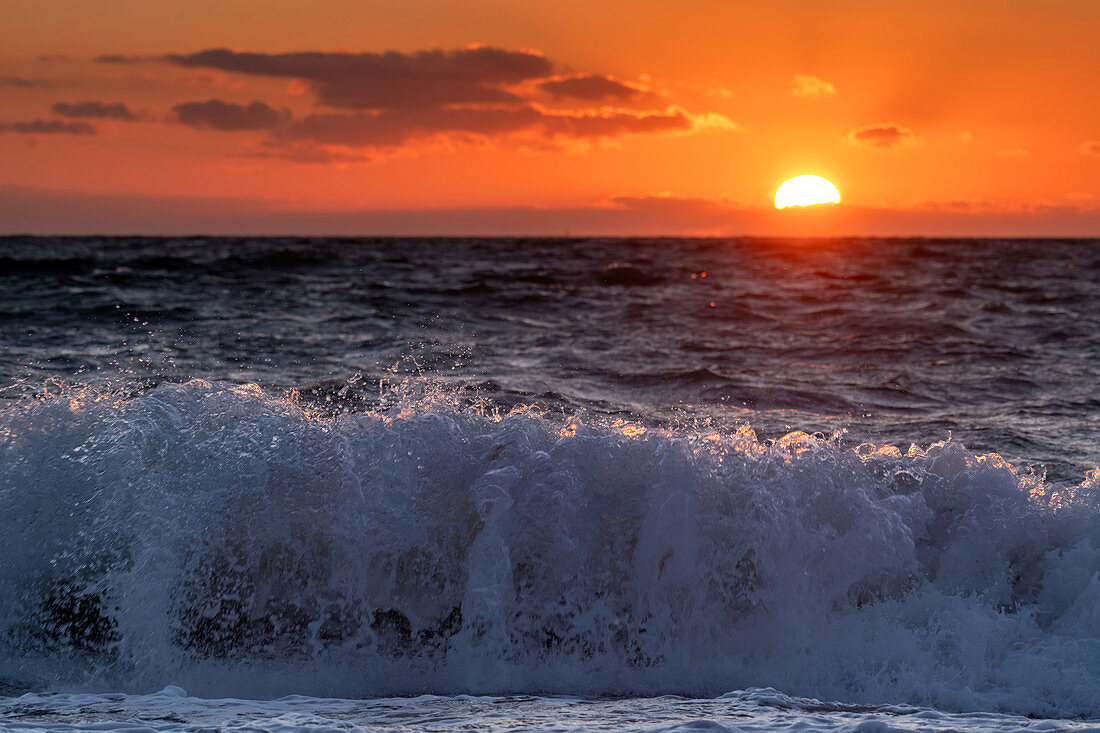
[960, 117]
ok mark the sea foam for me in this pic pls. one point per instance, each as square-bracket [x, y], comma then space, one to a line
[229, 541]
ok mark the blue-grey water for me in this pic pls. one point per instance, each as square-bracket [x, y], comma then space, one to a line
[619, 483]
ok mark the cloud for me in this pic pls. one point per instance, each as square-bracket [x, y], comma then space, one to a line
[100, 110]
[304, 155]
[809, 87]
[597, 125]
[394, 128]
[390, 80]
[390, 99]
[117, 59]
[48, 127]
[20, 83]
[215, 114]
[1092, 147]
[397, 127]
[888, 135]
[707, 212]
[28, 210]
[594, 88]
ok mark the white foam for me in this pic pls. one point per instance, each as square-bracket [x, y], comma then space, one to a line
[749, 711]
[225, 540]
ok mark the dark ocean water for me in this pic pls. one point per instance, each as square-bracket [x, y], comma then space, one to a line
[993, 342]
[638, 484]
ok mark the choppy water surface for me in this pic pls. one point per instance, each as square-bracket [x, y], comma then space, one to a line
[997, 342]
[581, 475]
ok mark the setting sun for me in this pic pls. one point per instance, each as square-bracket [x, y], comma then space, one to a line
[806, 191]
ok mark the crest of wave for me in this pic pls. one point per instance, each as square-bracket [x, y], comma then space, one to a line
[230, 541]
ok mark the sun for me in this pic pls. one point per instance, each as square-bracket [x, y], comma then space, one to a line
[806, 191]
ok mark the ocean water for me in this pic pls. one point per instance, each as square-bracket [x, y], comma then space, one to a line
[623, 484]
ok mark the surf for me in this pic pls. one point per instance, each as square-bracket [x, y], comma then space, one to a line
[245, 543]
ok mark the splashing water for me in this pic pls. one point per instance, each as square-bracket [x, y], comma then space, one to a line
[233, 542]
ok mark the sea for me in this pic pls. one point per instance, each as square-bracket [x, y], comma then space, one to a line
[434, 484]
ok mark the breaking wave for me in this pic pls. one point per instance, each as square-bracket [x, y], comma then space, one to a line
[229, 540]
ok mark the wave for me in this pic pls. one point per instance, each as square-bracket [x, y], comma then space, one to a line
[233, 542]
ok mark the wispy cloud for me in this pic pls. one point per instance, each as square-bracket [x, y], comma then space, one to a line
[21, 83]
[98, 110]
[885, 136]
[48, 127]
[303, 155]
[112, 58]
[597, 88]
[1092, 147]
[51, 212]
[811, 87]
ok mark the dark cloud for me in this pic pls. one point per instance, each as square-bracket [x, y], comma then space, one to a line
[593, 88]
[1092, 147]
[594, 125]
[303, 155]
[385, 100]
[678, 204]
[218, 115]
[100, 110]
[20, 83]
[116, 59]
[393, 128]
[881, 136]
[390, 80]
[48, 127]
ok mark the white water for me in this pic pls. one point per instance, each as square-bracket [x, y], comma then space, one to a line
[749, 711]
[223, 539]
